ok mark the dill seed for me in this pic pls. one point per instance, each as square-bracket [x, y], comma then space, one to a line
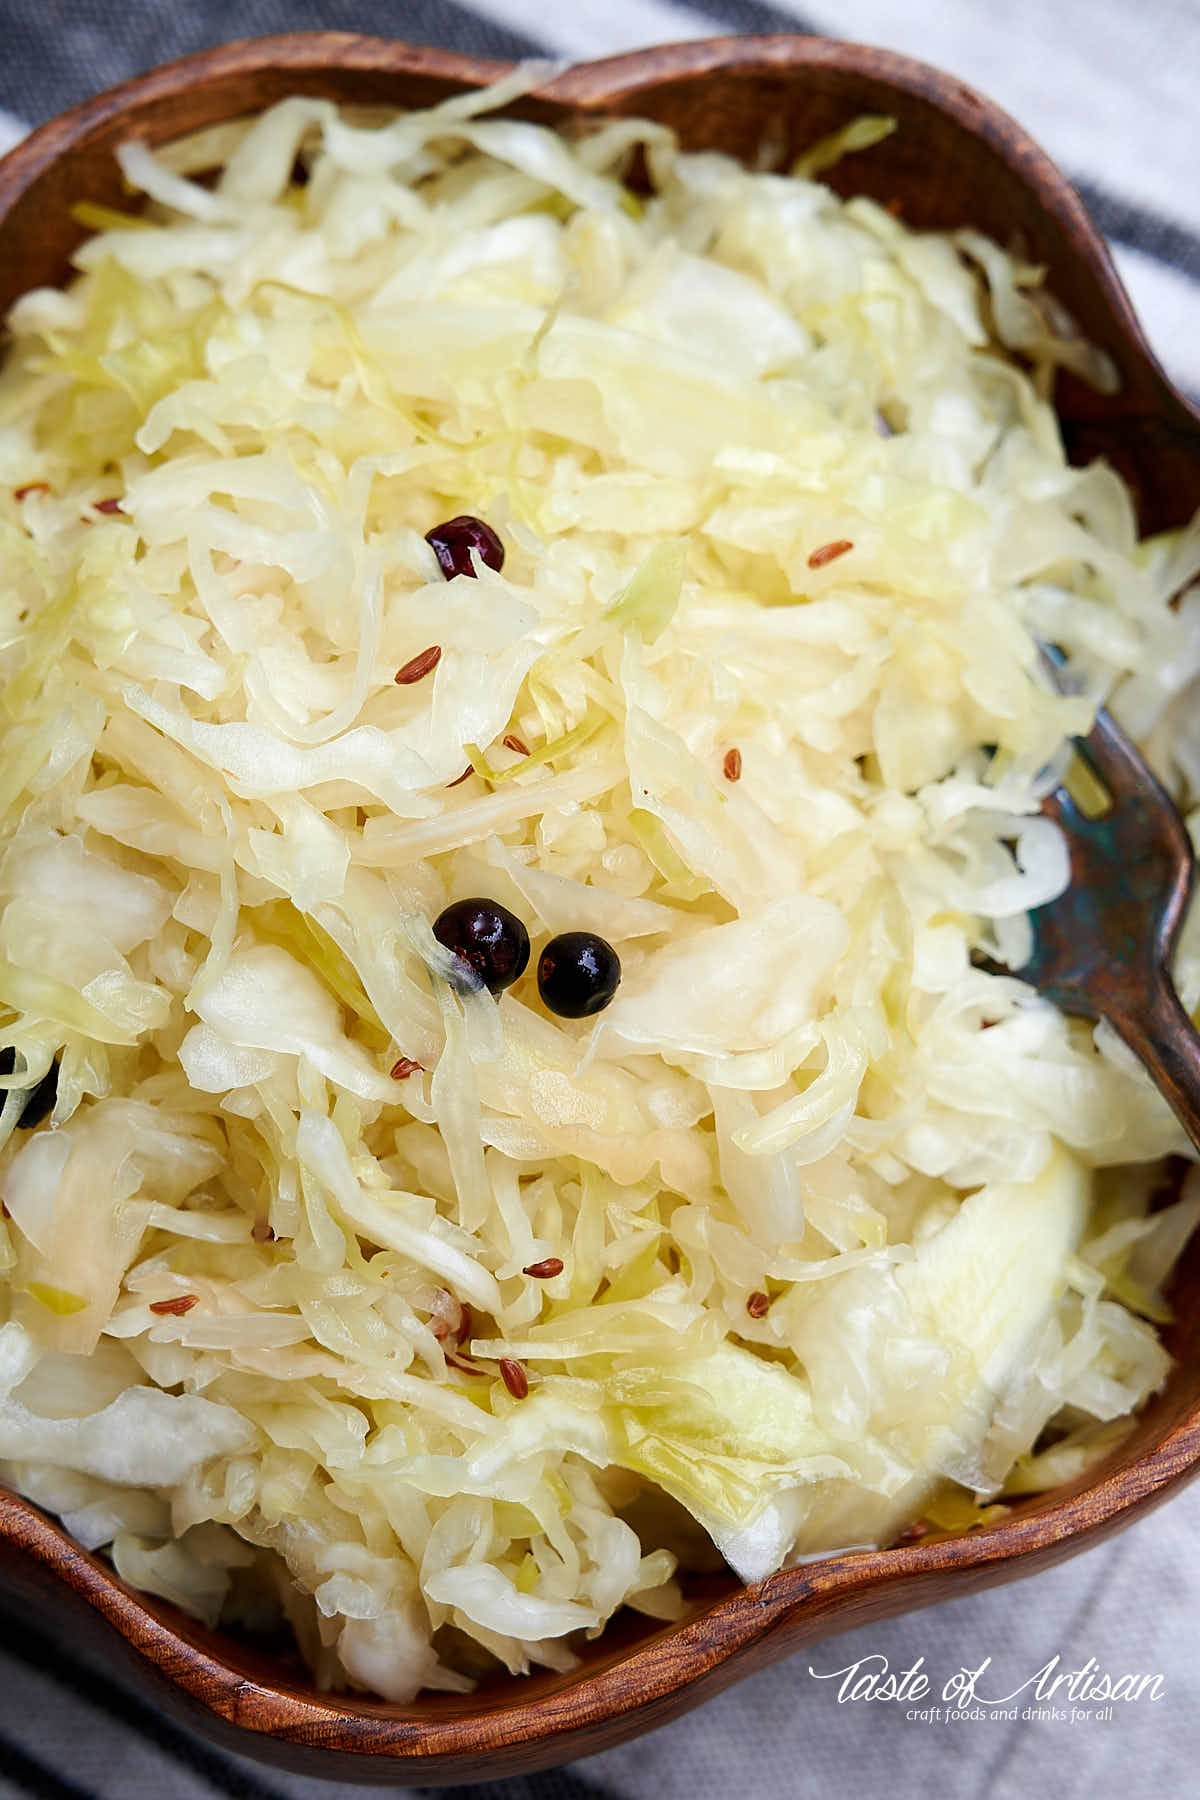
[514, 1377]
[827, 552]
[545, 1270]
[418, 666]
[912, 1534]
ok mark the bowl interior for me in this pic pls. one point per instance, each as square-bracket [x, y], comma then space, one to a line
[953, 161]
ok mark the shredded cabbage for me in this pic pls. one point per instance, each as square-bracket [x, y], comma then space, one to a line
[832, 1231]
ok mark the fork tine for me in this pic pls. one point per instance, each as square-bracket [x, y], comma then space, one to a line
[1059, 806]
[1106, 749]
[1112, 757]
[981, 960]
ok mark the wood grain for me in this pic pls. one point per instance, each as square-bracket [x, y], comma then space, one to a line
[956, 160]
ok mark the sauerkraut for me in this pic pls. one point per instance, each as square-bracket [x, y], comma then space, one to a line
[817, 1229]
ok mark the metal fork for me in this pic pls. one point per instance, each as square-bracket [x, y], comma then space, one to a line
[1103, 949]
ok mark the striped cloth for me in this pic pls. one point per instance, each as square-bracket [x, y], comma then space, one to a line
[1110, 90]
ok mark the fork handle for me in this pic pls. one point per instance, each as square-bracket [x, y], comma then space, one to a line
[1157, 1029]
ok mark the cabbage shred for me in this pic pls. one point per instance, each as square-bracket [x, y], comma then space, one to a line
[818, 1228]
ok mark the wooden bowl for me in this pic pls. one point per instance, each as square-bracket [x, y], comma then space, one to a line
[956, 160]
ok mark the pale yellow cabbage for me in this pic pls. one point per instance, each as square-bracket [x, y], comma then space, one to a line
[767, 482]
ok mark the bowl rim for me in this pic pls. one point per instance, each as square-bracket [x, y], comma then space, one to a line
[607, 82]
[671, 1661]
[685, 1661]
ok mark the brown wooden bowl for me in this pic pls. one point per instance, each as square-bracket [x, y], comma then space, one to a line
[956, 160]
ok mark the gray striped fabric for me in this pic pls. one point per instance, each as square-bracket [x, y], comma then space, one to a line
[1110, 89]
